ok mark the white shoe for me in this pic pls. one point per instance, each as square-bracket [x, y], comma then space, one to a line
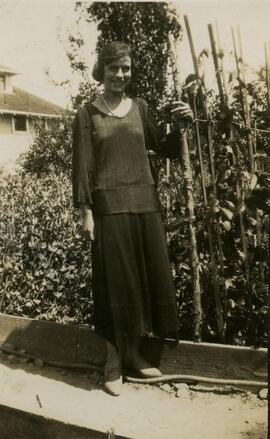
[113, 382]
[144, 368]
[112, 372]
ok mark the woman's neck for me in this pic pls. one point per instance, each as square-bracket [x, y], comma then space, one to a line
[113, 99]
[119, 106]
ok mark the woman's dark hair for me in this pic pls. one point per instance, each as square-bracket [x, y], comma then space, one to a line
[109, 53]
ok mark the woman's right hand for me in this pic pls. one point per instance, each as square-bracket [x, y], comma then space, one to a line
[88, 225]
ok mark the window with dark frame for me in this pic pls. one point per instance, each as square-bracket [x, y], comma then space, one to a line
[20, 123]
[2, 83]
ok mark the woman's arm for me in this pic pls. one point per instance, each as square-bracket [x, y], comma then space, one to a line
[81, 181]
[165, 145]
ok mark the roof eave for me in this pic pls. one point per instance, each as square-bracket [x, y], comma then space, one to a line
[28, 113]
[7, 71]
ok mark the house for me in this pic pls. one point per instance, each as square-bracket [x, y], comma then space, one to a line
[18, 111]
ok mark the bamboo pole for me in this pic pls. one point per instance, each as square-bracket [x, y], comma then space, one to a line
[242, 76]
[243, 94]
[203, 103]
[258, 217]
[195, 65]
[246, 105]
[223, 101]
[223, 96]
[234, 156]
[221, 64]
[241, 219]
[236, 57]
[216, 64]
[251, 140]
[235, 163]
[187, 175]
[267, 73]
[167, 177]
[215, 280]
[168, 174]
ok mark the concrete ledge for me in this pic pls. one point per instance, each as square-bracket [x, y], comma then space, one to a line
[79, 344]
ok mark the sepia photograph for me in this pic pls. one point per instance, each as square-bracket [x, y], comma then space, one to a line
[134, 219]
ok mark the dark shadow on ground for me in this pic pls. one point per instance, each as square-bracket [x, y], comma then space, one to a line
[71, 347]
[52, 343]
[76, 378]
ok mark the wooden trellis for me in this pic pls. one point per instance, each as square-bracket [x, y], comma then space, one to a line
[213, 229]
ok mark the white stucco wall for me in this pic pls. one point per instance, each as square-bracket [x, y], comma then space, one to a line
[12, 144]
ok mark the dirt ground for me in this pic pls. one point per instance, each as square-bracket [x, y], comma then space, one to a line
[167, 411]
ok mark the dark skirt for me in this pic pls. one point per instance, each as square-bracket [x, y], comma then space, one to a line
[132, 283]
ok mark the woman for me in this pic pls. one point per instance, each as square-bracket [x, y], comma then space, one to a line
[113, 186]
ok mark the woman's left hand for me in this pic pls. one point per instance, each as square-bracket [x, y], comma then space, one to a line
[182, 111]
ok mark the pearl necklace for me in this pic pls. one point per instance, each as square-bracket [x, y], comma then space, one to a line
[110, 110]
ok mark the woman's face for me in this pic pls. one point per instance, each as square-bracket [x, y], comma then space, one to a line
[117, 75]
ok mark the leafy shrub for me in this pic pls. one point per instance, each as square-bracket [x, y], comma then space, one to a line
[45, 267]
[51, 148]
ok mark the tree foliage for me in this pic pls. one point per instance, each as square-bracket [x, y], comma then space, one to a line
[145, 27]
